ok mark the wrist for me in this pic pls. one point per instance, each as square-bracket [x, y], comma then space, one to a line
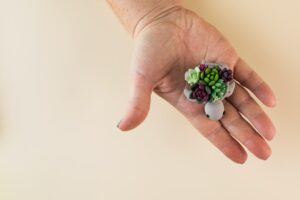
[157, 11]
[136, 14]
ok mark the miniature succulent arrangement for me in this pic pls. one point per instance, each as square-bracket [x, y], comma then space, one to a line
[209, 84]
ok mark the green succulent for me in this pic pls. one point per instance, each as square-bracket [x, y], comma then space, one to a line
[192, 76]
[210, 76]
[218, 90]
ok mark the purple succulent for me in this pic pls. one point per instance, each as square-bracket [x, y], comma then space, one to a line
[226, 75]
[202, 67]
[200, 93]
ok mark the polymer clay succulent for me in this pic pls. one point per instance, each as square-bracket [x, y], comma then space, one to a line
[209, 84]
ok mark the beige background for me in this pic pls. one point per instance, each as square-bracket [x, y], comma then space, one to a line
[64, 86]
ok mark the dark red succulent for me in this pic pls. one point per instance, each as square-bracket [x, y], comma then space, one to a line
[226, 75]
[202, 67]
[199, 93]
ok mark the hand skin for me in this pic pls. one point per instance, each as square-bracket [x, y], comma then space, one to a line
[168, 40]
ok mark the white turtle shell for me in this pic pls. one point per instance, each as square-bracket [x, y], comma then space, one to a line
[187, 93]
[214, 110]
[230, 89]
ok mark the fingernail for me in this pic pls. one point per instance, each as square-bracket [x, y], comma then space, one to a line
[119, 124]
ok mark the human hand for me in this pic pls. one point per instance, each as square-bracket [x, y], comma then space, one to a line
[175, 40]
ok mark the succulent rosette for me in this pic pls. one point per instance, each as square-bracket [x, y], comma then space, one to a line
[226, 75]
[219, 90]
[192, 76]
[200, 93]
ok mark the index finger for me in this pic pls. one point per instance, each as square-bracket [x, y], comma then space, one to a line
[247, 77]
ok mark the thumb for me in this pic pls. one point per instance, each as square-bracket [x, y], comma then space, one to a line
[138, 104]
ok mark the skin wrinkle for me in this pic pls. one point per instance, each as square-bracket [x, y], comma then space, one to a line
[204, 50]
[178, 27]
[224, 50]
[186, 46]
[266, 150]
[207, 44]
[216, 42]
[260, 113]
[158, 88]
[243, 102]
[247, 140]
[151, 82]
[248, 99]
[215, 131]
[130, 12]
[187, 114]
[184, 39]
[159, 83]
[224, 53]
[138, 109]
[232, 121]
[171, 69]
[156, 22]
[160, 15]
[251, 76]
[178, 100]
[190, 51]
[258, 86]
[178, 36]
[234, 64]
[139, 21]
[231, 51]
[248, 76]
[227, 145]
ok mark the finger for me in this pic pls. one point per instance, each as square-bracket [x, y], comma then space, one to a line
[138, 105]
[243, 132]
[212, 130]
[251, 80]
[245, 104]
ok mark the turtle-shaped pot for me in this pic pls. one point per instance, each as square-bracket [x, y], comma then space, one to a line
[209, 84]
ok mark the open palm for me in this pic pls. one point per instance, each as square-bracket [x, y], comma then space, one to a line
[177, 40]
